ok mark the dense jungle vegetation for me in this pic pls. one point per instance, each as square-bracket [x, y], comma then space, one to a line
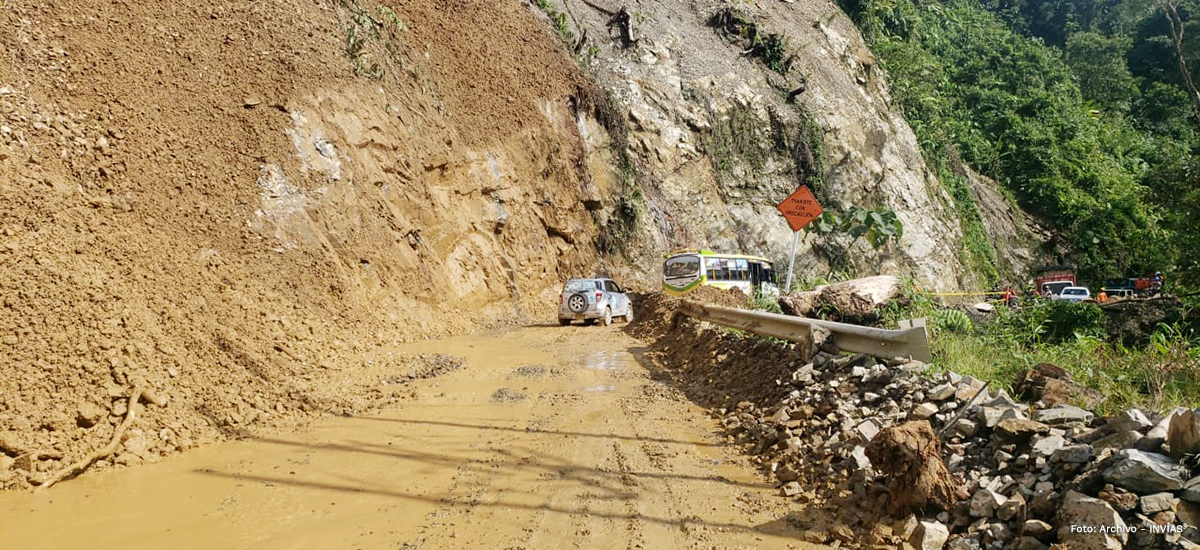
[1080, 108]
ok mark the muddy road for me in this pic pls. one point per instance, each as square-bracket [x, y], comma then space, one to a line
[549, 437]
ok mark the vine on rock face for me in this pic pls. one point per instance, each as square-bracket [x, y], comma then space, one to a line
[771, 48]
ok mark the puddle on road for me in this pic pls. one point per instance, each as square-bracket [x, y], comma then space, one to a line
[602, 387]
[607, 360]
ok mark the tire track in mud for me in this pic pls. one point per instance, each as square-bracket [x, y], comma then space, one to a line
[584, 449]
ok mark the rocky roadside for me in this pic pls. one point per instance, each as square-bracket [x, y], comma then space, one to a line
[1035, 476]
[861, 445]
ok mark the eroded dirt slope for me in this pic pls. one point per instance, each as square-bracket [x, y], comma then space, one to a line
[231, 201]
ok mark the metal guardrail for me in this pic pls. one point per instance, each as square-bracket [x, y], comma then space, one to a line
[911, 342]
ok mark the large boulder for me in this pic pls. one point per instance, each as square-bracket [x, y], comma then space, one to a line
[854, 301]
[909, 457]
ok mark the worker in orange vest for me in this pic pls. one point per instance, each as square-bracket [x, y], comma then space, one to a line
[1102, 297]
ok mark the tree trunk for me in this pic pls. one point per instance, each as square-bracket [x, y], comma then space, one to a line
[1171, 11]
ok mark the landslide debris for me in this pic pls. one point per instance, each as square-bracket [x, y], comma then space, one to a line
[958, 464]
[656, 311]
[207, 197]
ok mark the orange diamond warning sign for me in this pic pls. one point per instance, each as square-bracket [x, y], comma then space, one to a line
[800, 208]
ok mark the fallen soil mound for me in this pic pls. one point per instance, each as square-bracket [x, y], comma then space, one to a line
[1131, 322]
[239, 203]
[655, 311]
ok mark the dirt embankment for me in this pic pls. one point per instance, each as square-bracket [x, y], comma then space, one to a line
[237, 203]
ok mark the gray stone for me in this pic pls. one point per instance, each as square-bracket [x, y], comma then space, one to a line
[985, 502]
[993, 415]
[967, 388]
[1011, 508]
[1044, 447]
[1079, 510]
[1143, 472]
[1063, 414]
[924, 410]
[1002, 401]
[867, 430]
[1037, 528]
[1191, 490]
[963, 543]
[1183, 433]
[998, 531]
[1020, 430]
[1029, 543]
[1073, 454]
[942, 392]
[859, 455]
[930, 535]
[791, 489]
[965, 427]
[1157, 435]
[1119, 440]
[1131, 419]
[1158, 502]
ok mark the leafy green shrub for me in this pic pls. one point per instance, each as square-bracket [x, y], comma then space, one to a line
[1052, 321]
[950, 320]
[1067, 320]
[763, 302]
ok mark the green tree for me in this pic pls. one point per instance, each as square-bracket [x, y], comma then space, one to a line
[1099, 63]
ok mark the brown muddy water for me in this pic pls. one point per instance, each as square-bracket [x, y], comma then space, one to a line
[549, 437]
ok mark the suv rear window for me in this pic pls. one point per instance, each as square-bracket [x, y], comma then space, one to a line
[581, 286]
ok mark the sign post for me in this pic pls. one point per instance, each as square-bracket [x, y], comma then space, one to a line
[800, 208]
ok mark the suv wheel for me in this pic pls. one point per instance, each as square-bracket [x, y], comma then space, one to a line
[577, 303]
[629, 315]
[607, 319]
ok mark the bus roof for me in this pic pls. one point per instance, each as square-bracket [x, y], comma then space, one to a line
[714, 254]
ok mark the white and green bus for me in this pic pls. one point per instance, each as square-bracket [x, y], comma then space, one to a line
[684, 270]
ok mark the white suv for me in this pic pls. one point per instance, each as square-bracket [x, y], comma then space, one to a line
[590, 299]
[1073, 294]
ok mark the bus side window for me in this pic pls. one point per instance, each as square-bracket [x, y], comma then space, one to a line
[715, 269]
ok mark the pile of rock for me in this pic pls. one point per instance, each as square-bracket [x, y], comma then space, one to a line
[1027, 476]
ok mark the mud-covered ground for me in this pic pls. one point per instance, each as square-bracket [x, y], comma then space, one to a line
[546, 437]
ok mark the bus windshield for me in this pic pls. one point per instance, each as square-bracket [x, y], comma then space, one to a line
[681, 266]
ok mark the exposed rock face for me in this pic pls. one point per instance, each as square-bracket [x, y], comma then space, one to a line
[719, 143]
[1013, 234]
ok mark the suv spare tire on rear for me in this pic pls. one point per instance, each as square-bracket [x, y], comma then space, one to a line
[577, 303]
